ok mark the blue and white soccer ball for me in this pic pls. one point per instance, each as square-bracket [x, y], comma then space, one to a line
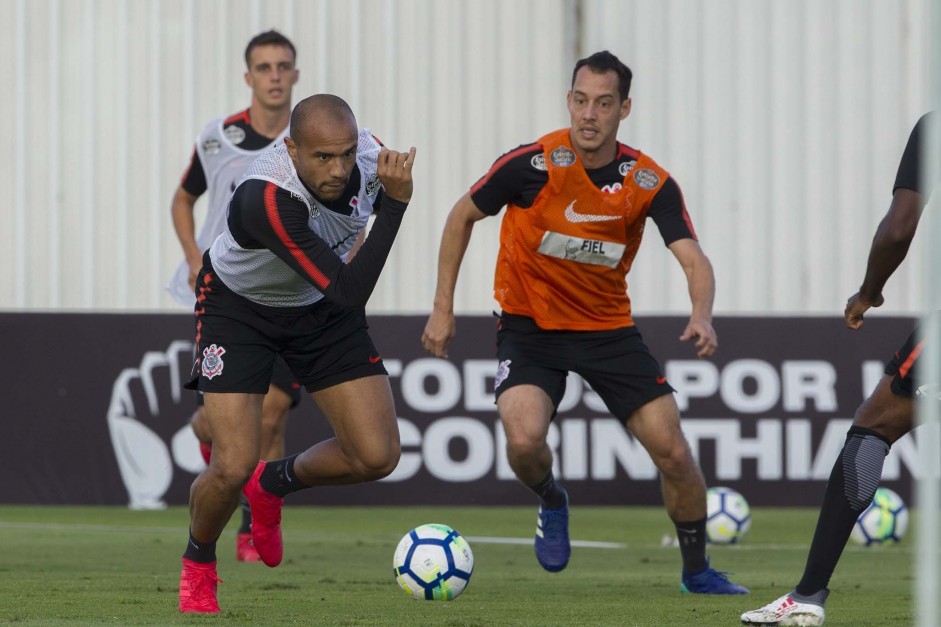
[885, 520]
[433, 562]
[728, 516]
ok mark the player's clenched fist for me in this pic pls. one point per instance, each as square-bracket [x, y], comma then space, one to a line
[395, 173]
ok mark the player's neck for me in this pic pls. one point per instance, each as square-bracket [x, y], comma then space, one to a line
[594, 159]
[269, 122]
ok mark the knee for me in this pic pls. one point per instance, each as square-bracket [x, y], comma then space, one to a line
[521, 445]
[272, 423]
[674, 461]
[232, 474]
[377, 464]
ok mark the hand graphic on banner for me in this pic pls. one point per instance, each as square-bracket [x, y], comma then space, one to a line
[143, 457]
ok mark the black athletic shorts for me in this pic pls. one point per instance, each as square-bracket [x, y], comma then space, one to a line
[281, 378]
[616, 363]
[902, 367]
[237, 341]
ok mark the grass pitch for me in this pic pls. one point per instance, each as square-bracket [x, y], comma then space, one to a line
[99, 565]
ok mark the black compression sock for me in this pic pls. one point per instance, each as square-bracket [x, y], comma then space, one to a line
[246, 526]
[278, 477]
[852, 484]
[203, 552]
[692, 540]
[550, 493]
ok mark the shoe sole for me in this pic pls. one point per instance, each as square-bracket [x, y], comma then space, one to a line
[791, 621]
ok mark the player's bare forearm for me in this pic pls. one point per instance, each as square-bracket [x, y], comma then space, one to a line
[702, 289]
[891, 242]
[441, 327]
[181, 211]
[885, 257]
[888, 250]
[454, 240]
[454, 243]
[184, 224]
[701, 283]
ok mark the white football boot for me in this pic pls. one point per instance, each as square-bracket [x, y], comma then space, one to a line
[788, 611]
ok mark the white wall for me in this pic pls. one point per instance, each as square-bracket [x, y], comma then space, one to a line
[783, 122]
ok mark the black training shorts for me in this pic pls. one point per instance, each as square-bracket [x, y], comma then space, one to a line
[237, 341]
[281, 378]
[616, 363]
[902, 367]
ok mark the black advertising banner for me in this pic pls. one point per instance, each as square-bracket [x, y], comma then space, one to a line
[95, 413]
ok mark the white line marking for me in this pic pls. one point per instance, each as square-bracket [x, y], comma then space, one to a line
[589, 544]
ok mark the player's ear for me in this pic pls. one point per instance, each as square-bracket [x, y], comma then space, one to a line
[625, 108]
[292, 148]
[249, 80]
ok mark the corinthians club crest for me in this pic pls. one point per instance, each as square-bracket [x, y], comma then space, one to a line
[212, 361]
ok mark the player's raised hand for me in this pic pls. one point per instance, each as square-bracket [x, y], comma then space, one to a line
[706, 339]
[395, 173]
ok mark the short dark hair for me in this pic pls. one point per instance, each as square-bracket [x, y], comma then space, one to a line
[604, 61]
[268, 38]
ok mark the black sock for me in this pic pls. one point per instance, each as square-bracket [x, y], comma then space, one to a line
[203, 552]
[278, 477]
[852, 484]
[692, 540]
[246, 515]
[550, 493]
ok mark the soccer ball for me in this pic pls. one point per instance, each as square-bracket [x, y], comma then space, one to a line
[728, 517]
[433, 562]
[885, 520]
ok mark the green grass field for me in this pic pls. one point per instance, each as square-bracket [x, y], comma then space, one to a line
[94, 565]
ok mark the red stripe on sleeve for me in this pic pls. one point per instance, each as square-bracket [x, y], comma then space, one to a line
[501, 162]
[908, 363]
[271, 210]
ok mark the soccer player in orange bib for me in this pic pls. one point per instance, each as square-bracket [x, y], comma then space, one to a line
[577, 202]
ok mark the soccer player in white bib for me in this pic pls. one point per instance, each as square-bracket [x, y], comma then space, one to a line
[279, 281]
[224, 149]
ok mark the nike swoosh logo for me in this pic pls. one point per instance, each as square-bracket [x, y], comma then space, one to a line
[661, 379]
[375, 360]
[573, 216]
